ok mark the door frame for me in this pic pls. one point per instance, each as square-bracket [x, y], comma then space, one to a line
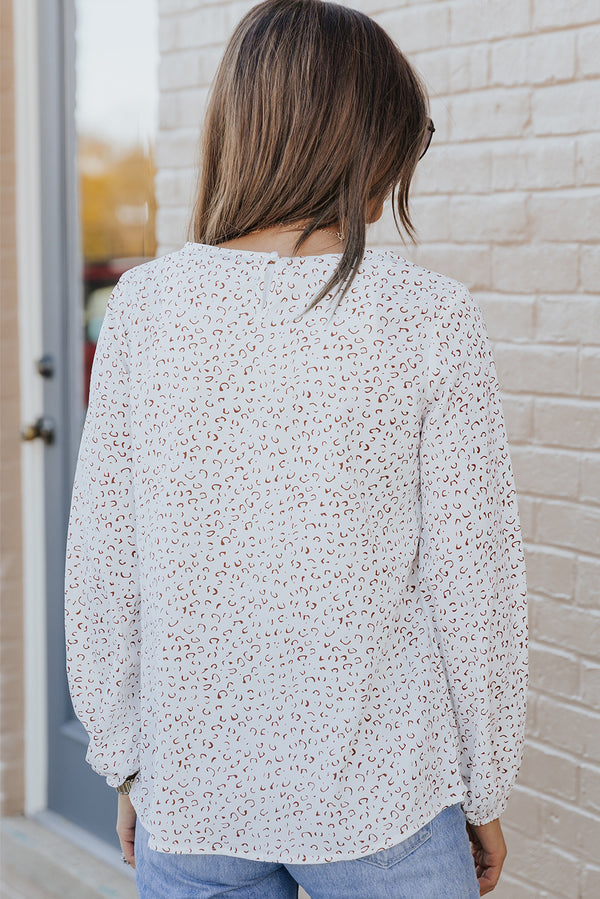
[59, 778]
[29, 285]
[50, 321]
[62, 328]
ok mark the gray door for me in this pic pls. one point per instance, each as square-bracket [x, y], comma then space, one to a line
[80, 264]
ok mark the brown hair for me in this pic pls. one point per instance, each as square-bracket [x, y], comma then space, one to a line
[314, 113]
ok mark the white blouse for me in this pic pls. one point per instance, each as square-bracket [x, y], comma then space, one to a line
[295, 585]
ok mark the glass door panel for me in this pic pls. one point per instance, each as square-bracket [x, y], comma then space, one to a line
[110, 121]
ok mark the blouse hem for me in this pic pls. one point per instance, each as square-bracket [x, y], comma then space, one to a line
[450, 798]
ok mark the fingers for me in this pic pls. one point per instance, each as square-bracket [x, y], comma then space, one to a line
[128, 852]
[488, 879]
[126, 819]
[126, 834]
[488, 866]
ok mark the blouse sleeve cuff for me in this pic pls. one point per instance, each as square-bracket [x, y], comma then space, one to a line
[115, 780]
[484, 816]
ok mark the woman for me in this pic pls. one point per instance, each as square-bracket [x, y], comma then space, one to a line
[295, 586]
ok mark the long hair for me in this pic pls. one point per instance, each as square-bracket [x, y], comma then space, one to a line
[313, 114]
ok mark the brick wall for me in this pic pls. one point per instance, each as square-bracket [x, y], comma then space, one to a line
[11, 587]
[506, 200]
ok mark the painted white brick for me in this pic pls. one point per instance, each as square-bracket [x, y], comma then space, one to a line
[171, 7]
[469, 68]
[172, 227]
[531, 722]
[209, 63]
[552, 870]
[527, 509]
[472, 21]
[178, 148]
[558, 14]
[549, 772]
[168, 35]
[440, 113]
[188, 68]
[454, 169]
[571, 525]
[477, 219]
[590, 372]
[469, 264]
[569, 727]
[565, 108]
[454, 69]
[589, 490]
[588, 51]
[533, 164]
[417, 27]
[590, 882]
[523, 811]
[562, 824]
[551, 571]
[434, 68]
[179, 69]
[169, 111]
[551, 57]
[205, 26]
[508, 317]
[509, 887]
[567, 423]
[237, 9]
[535, 267]
[518, 414]
[537, 369]
[192, 106]
[374, 7]
[587, 583]
[175, 188]
[566, 215]
[508, 62]
[546, 472]
[588, 159]
[590, 269]
[589, 787]
[542, 59]
[590, 685]
[431, 217]
[553, 670]
[489, 114]
[383, 231]
[568, 319]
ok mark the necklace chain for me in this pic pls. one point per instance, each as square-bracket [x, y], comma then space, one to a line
[338, 234]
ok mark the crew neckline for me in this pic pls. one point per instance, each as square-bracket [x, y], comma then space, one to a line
[265, 254]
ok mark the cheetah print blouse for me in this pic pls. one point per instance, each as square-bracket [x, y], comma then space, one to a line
[295, 585]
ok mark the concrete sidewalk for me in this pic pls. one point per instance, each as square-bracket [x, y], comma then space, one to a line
[45, 858]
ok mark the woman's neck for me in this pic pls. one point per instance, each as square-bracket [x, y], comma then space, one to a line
[281, 239]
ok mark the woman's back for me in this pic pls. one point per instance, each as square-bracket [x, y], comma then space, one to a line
[328, 570]
[295, 586]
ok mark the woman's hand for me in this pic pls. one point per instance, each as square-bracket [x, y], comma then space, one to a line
[126, 827]
[489, 851]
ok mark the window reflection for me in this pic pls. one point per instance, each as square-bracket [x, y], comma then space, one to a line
[116, 120]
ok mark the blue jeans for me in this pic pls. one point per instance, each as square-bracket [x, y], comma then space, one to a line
[434, 862]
